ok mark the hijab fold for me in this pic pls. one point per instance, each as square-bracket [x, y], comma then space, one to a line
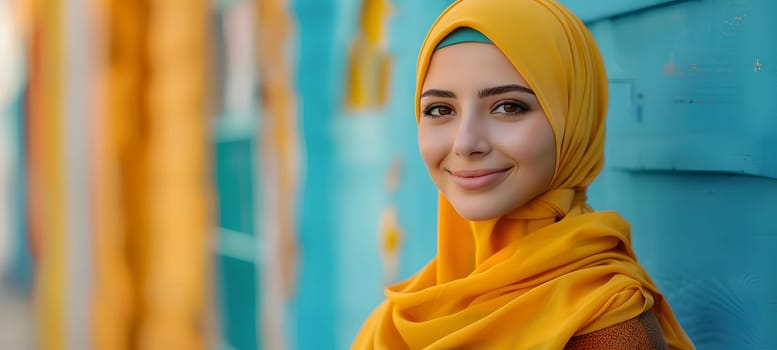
[554, 268]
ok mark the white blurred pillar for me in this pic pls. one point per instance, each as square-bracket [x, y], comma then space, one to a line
[80, 54]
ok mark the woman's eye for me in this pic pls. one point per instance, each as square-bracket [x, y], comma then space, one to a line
[511, 108]
[438, 111]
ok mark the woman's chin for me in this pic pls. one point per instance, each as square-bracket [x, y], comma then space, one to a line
[478, 213]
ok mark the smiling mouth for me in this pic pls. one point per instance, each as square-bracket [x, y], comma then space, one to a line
[478, 179]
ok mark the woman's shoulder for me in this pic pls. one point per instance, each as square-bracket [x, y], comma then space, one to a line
[640, 333]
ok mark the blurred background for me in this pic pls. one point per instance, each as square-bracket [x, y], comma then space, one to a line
[243, 174]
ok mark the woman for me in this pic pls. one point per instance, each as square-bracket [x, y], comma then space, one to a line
[511, 100]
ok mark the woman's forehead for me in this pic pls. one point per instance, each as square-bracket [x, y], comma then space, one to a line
[470, 65]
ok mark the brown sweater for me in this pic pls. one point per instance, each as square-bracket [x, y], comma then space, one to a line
[640, 333]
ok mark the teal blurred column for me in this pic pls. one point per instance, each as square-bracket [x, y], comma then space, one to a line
[314, 309]
[15, 259]
[237, 260]
[690, 156]
[21, 257]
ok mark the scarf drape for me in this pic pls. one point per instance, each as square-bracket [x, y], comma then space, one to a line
[554, 268]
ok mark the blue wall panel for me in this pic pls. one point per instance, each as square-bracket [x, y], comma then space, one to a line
[699, 74]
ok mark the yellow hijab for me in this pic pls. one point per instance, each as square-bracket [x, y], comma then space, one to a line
[553, 268]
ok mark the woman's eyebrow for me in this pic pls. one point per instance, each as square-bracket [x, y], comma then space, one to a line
[497, 90]
[438, 93]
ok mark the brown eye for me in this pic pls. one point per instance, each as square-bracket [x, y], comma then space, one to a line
[442, 110]
[511, 108]
[437, 111]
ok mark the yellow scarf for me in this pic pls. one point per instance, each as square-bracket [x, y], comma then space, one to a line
[553, 268]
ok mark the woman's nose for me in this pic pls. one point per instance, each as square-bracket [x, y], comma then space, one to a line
[471, 138]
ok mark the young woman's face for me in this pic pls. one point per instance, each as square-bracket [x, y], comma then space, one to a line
[483, 136]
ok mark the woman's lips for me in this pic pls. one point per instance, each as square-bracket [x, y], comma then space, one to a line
[478, 179]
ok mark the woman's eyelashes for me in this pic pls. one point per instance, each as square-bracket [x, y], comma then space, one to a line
[437, 111]
[508, 108]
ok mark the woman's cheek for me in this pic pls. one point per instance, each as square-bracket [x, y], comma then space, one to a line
[433, 144]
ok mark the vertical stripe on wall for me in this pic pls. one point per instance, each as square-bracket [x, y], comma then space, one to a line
[279, 159]
[46, 171]
[177, 247]
[78, 112]
[10, 85]
[237, 176]
[313, 304]
[119, 170]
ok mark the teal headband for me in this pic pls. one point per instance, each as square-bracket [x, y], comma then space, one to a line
[463, 35]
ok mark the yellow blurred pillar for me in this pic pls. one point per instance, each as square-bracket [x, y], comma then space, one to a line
[46, 188]
[153, 213]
